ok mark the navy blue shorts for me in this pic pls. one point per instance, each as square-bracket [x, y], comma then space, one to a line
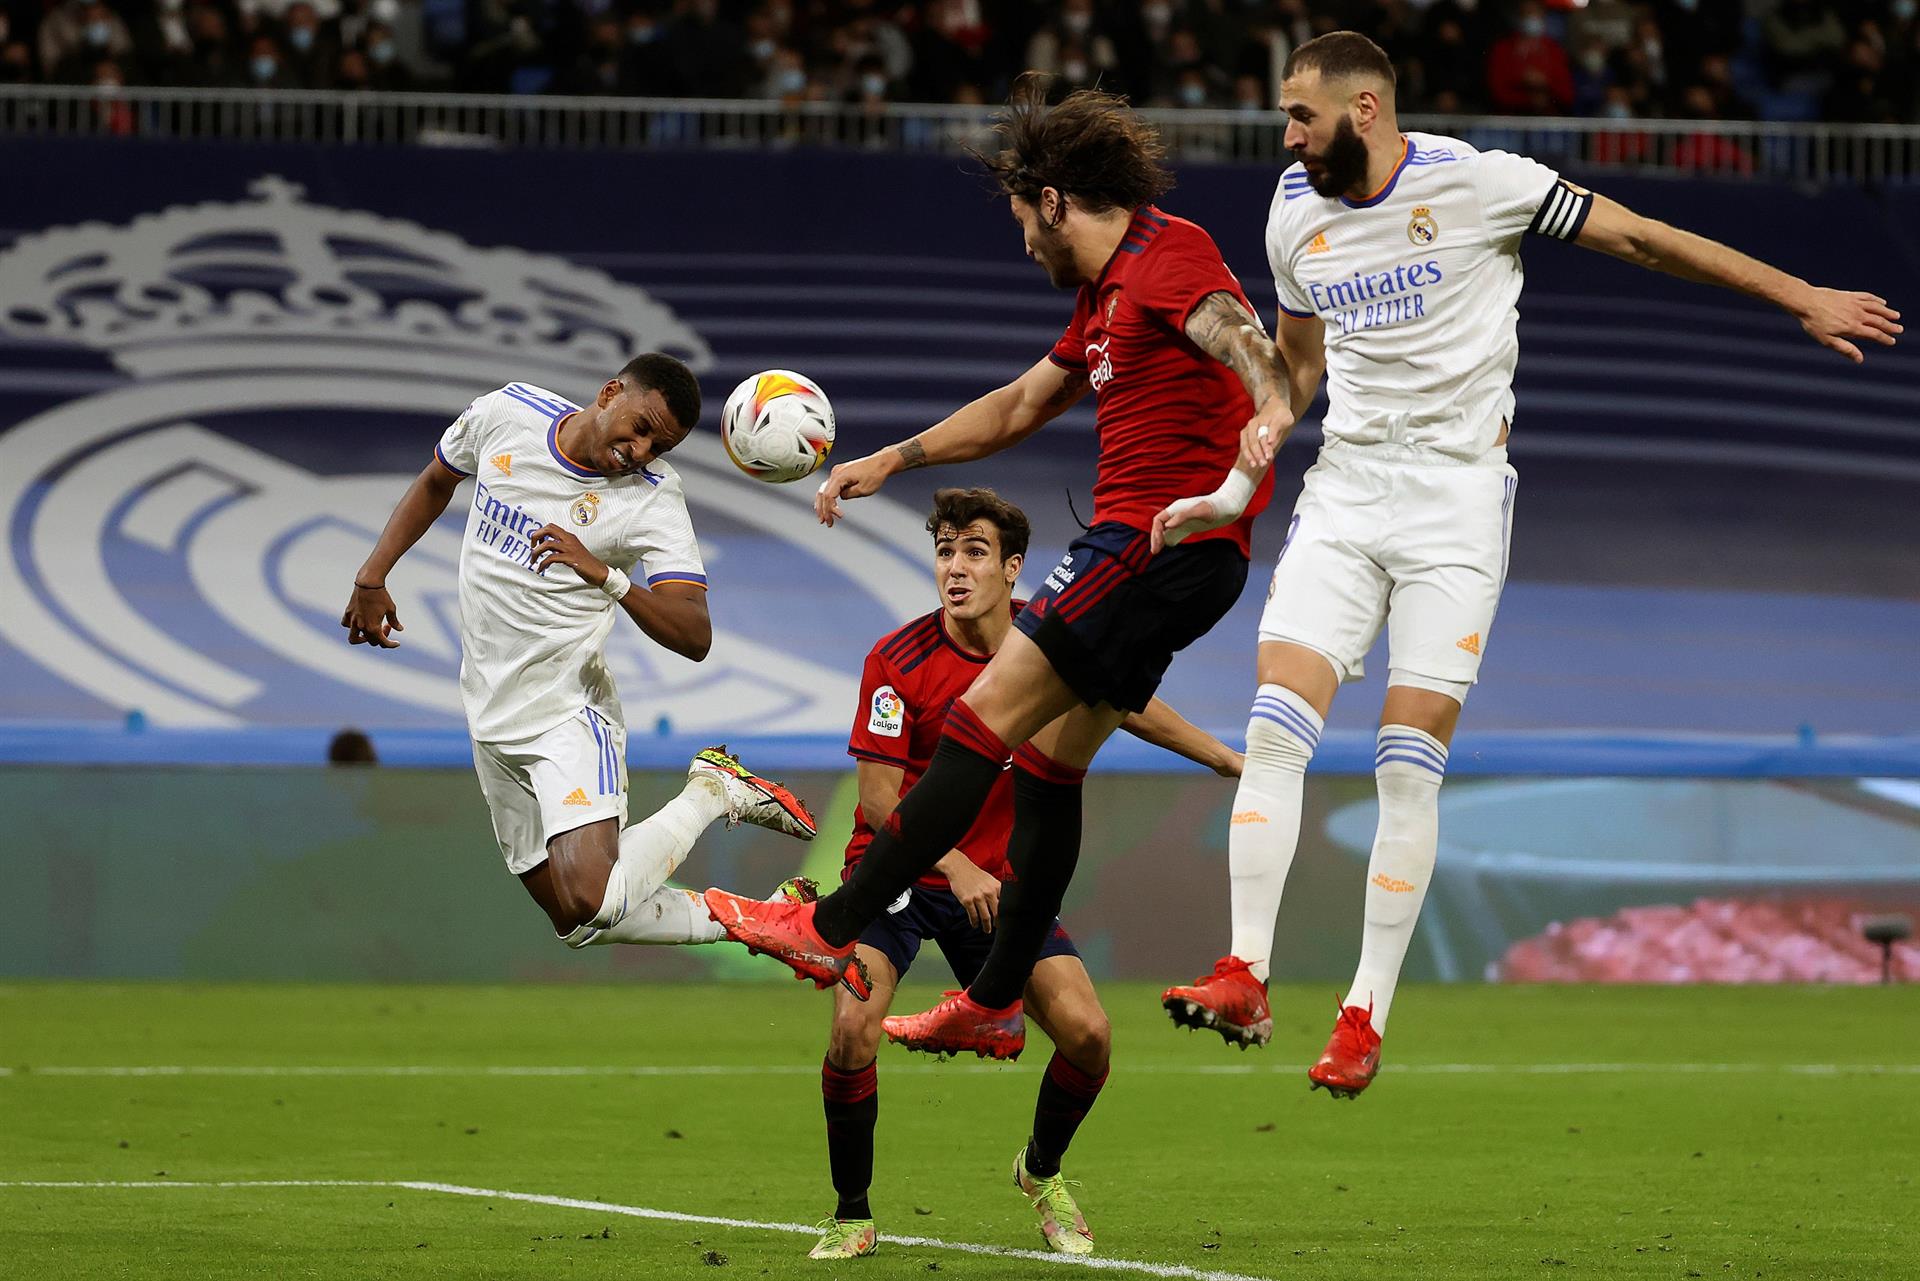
[1110, 617]
[936, 914]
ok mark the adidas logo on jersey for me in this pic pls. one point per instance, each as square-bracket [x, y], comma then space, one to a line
[1319, 245]
[578, 796]
[504, 462]
[1469, 643]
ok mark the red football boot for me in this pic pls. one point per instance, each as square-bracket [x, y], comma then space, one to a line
[1230, 1001]
[1352, 1056]
[957, 1025]
[784, 930]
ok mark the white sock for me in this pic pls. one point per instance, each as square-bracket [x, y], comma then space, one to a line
[671, 916]
[1408, 766]
[1282, 732]
[651, 849]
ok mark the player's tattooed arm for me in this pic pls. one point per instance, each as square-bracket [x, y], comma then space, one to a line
[1222, 327]
[986, 425]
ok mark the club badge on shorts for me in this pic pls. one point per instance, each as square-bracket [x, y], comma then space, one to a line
[1421, 228]
[585, 509]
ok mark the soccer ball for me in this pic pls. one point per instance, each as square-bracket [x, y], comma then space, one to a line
[777, 426]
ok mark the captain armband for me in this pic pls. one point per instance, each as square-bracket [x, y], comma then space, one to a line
[1564, 212]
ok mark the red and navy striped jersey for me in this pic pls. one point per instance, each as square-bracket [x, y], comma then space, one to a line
[1169, 415]
[911, 678]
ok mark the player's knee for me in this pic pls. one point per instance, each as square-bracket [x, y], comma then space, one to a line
[574, 903]
[854, 1041]
[1086, 1039]
[1280, 738]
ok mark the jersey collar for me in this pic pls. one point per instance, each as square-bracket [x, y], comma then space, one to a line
[1386, 188]
[559, 455]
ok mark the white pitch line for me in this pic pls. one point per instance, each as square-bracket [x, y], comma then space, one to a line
[1176, 1271]
[931, 1069]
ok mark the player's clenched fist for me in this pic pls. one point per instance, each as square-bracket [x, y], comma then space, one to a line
[370, 617]
[553, 545]
[857, 479]
[1265, 432]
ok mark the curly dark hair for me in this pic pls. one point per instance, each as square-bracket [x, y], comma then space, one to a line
[958, 508]
[1090, 145]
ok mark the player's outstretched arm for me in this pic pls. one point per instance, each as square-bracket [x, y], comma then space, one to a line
[370, 617]
[1005, 416]
[1164, 727]
[1834, 318]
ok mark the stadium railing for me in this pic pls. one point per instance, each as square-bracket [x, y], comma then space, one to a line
[1778, 151]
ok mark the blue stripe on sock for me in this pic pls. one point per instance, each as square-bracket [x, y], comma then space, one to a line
[1424, 764]
[1409, 740]
[1438, 759]
[1286, 715]
[1261, 713]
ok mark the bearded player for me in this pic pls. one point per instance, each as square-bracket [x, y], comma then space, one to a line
[1165, 338]
[910, 678]
[1397, 260]
[570, 505]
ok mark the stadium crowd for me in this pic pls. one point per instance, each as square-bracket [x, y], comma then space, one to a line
[1841, 60]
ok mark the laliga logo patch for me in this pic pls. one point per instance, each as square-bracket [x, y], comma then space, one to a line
[585, 509]
[1421, 228]
[888, 716]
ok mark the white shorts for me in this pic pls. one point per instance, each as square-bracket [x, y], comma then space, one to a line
[1421, 547]
[570, 776]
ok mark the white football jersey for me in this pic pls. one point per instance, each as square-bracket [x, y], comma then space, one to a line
[532, 645]
[1417, 287]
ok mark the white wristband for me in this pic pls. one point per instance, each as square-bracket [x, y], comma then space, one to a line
[1235, 492]
[617, 584]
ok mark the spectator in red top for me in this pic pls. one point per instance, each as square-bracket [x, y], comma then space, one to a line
[1527, 72]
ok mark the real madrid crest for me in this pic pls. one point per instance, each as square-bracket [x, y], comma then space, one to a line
[1421, 228]
[585, 509]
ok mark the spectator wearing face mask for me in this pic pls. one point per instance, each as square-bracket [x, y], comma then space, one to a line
[1592, 78]
[267, 64]
[387, 71]
[645, 63]
[1074, 46]
[786, 78]
[79, 35]
[1185, 75]
[311, 49]
[869, 87]
[1528, 72]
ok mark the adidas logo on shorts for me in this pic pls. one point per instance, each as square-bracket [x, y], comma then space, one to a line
[578, 796]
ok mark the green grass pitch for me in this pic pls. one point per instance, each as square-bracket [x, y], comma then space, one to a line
[1667, 1133]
